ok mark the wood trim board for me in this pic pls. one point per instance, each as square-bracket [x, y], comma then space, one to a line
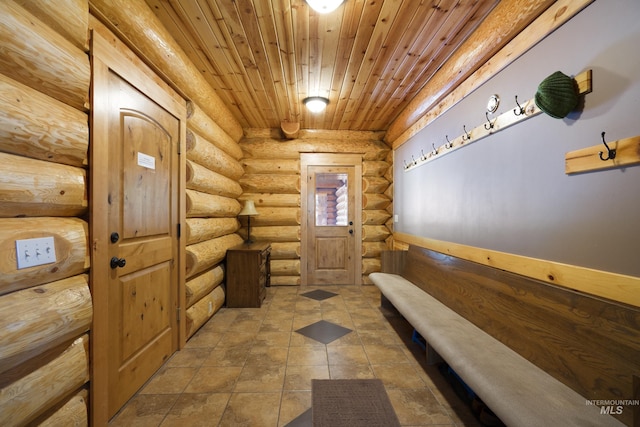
[613, 286]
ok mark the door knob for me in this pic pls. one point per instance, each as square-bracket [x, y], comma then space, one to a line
[350, 231]
[118, 262]
[350, 222]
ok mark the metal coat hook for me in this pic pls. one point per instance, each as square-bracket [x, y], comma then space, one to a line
[515, 110]
[448, 144]
[611, 153]
[467, 135]
[423, 157]
[435, 150]
[414, 160]
[489, 122]
[406, 166]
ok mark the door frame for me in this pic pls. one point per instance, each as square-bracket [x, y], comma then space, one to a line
[330, 159]
[109, 53]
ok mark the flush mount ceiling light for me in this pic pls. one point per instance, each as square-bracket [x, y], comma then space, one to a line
[324, 6]
[316, 104]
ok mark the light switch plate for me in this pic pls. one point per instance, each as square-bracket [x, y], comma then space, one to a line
[32, 252]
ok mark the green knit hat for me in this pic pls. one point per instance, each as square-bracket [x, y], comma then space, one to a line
[557, 95]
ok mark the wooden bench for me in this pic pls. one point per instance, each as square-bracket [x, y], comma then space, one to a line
[535, 353]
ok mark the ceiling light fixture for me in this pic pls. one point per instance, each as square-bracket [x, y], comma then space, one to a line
[316, 104]
[324, 6]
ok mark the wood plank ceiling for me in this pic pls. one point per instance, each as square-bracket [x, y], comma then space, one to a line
[368, 57]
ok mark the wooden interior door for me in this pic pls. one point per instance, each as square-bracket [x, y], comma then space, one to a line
[138, 126]
[332, 214]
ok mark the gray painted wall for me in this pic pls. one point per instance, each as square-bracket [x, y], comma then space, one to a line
[508, 192]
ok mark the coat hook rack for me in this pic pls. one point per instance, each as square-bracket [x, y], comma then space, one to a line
[523, 112]
[490, 125]
[611, 152]
[625, 153]
[520, 108]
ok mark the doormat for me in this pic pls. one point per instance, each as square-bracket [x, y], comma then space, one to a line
[351, 403]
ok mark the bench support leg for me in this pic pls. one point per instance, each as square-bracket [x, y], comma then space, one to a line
[433, 358]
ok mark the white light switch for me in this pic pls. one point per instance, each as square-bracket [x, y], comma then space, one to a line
[32, 252]
[396, 218]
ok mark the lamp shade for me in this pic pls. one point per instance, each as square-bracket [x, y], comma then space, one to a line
[324, 6]
[249, 209]
[315, 104]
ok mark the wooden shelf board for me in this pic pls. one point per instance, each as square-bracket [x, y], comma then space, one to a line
[588, 159]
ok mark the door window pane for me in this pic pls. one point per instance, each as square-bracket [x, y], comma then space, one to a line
[331, 199]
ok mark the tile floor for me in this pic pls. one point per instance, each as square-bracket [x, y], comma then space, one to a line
[249, 366]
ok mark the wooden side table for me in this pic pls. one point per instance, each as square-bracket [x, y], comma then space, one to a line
[248, 274]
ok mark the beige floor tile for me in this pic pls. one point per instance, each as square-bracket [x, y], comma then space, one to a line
[251, 409]
[236, 338]
[260, 378]
[273, 338]
[293, 404]
[341, 318]
[299, 377]
[351, 338]
[214, 379]
[385, 354]
[276, 325]
[299, 340]
[197, 410]
[204, 339]
[144, 410]
[418, 407]
[169, 380]
[372, 337]
[400, 375]
[245, 326]
[189, 357]
[263, 355]
[249, 367]
[351, 372]
[347, 355]
[228, 356]
[221, 321]
[307, 355]
[300, 321]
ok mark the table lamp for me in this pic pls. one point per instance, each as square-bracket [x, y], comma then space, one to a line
[248, 210]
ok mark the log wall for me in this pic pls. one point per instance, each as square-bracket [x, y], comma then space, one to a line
[44, 144]
[272, 180]
[46, 311]
[212, 209]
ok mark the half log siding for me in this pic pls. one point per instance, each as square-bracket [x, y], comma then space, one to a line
[272, 181]
[46, 311]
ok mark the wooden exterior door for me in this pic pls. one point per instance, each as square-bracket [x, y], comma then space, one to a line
[137, 313]
[332, 212]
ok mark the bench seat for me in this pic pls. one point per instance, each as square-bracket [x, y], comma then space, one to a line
[517, 391]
